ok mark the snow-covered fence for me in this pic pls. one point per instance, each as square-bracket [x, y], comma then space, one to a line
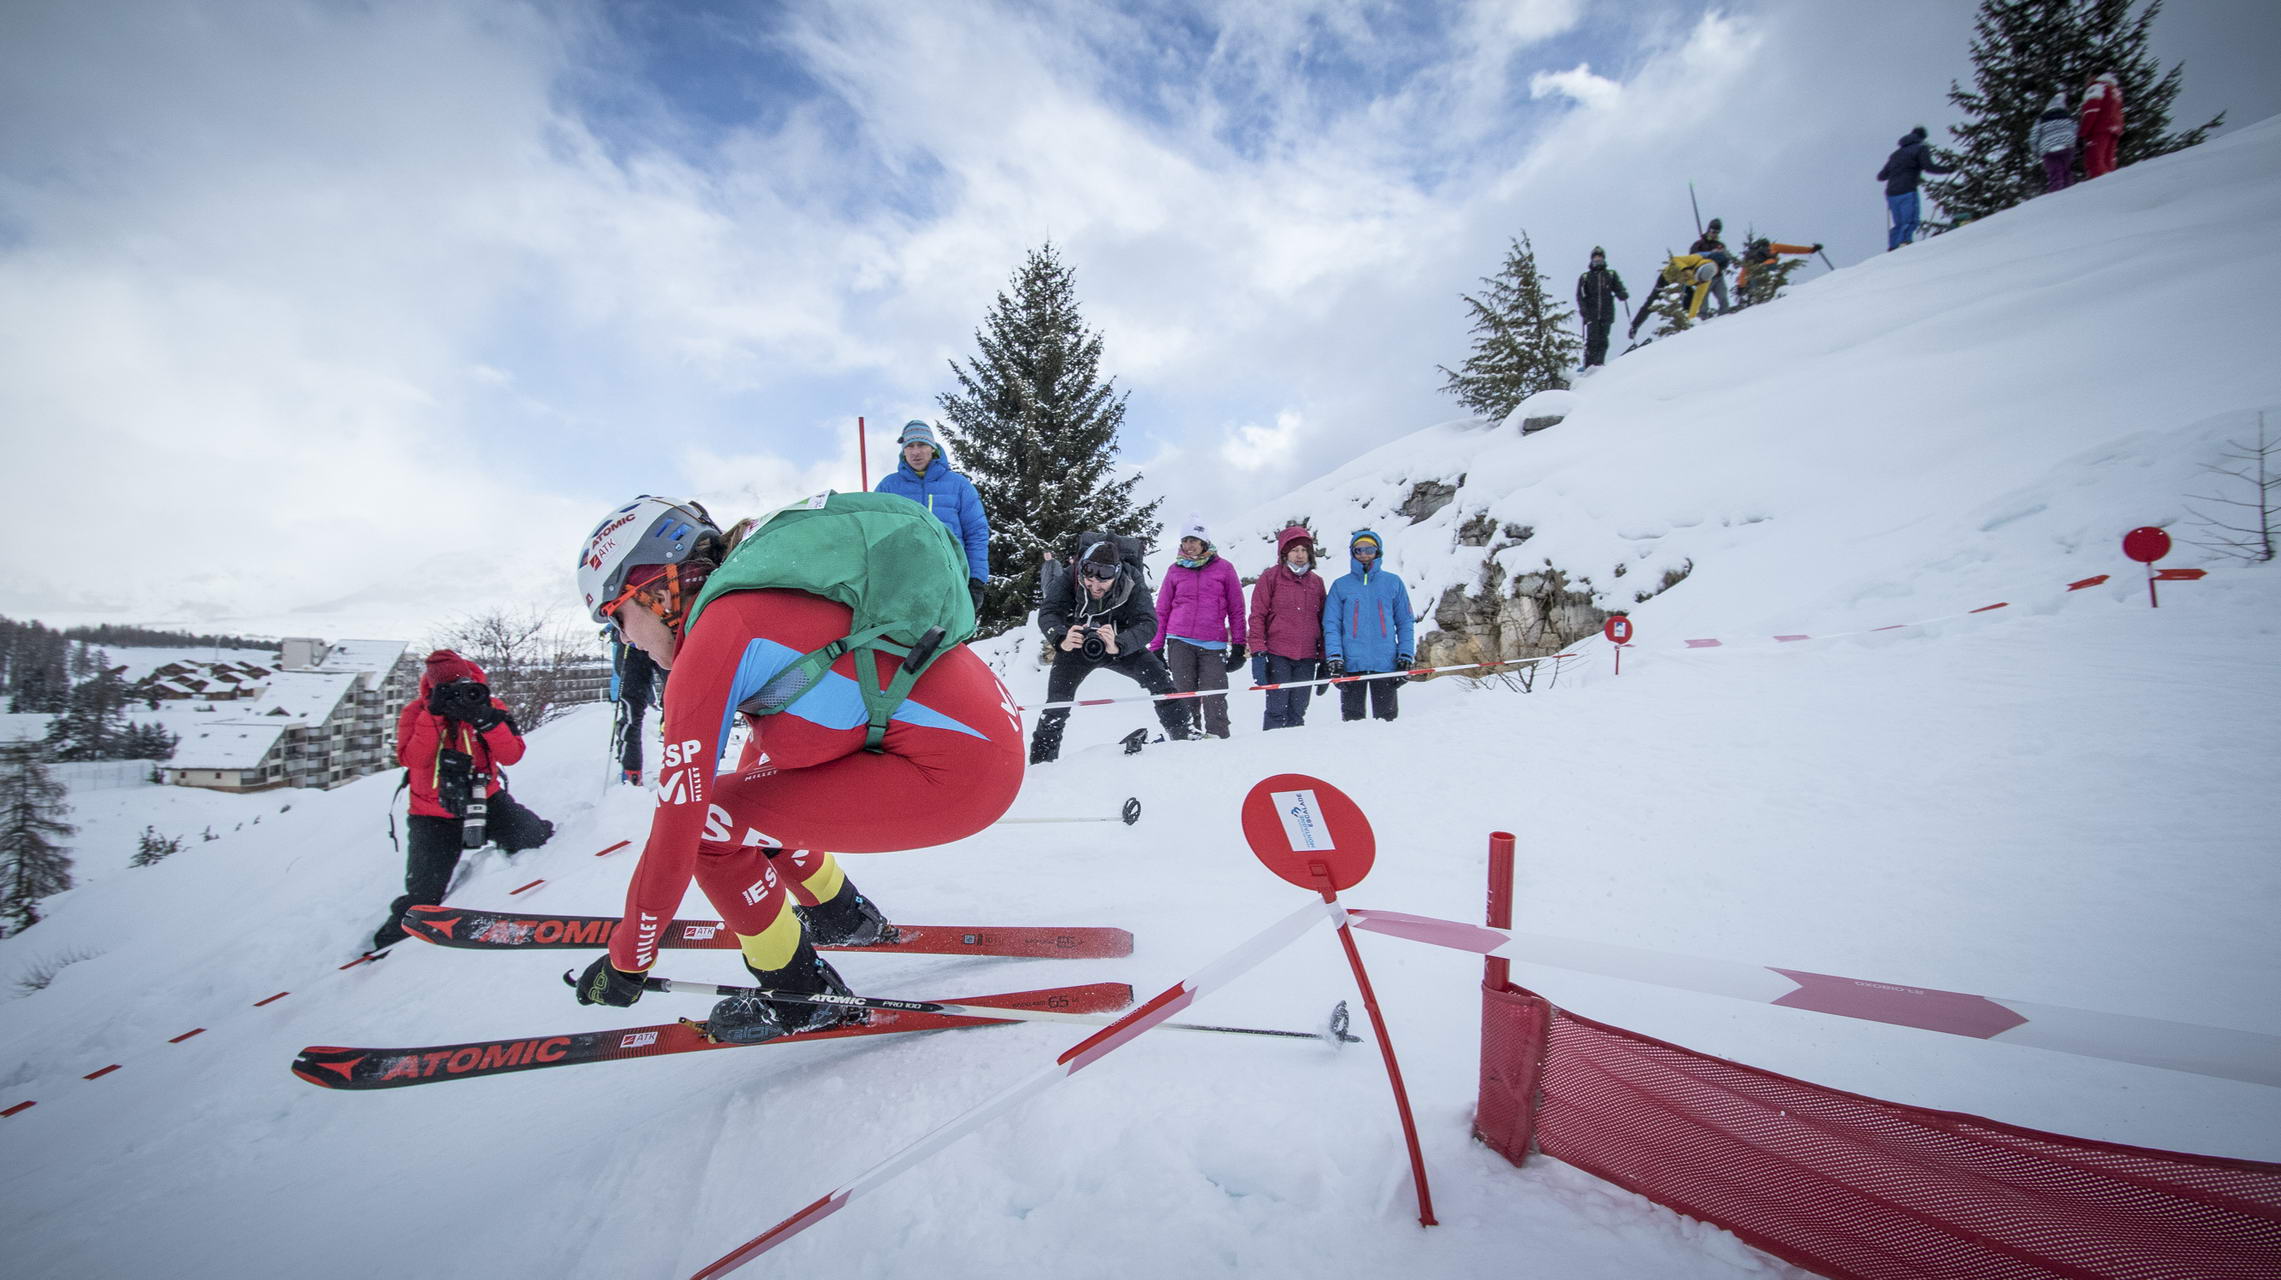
[102, 775]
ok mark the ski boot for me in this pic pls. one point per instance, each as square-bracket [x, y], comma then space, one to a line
[848, 920]
[754, 1020]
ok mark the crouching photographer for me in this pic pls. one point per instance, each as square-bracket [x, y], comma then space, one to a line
[454, 742]
[1100, 617]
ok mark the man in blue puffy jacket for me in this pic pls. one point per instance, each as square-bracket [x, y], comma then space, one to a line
[926, 479]
[1367, 627]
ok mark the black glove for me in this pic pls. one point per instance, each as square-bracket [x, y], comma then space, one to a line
[605, 983]
[1236, 659]
[974, 589]
[468, 700]
[1336, 667]
[1817, 248]
[1402, 662]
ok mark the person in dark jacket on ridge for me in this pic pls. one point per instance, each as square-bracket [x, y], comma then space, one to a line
[1285, 629]
[453, 739]
[924, 478]
[1908, 165]
[1367, 627]
[1100, 617]
[1596, 293]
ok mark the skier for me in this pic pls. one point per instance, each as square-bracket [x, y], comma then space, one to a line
[1201, 637]
[1100, 617]
[2053, 138]
[924, 478]
[1596, 307]
[1760, 254]
[1285, 630]
[1683, 271]
[1367, 627]
[2102, 124]
[1903, 170]
[948, 765]
[1709, 245]
[451, 739]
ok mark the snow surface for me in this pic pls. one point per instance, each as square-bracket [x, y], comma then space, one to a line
[2071, 800]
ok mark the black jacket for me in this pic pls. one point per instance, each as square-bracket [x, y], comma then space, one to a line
[1593, 288]
[1125, 606]
[1910, 162]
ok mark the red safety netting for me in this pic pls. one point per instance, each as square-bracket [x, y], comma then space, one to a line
[1855, 1187]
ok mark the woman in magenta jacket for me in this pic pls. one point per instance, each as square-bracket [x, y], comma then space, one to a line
[1286, 629]
[1200, 624]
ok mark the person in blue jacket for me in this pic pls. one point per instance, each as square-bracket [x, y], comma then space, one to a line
[1367, 627]
[926, 479]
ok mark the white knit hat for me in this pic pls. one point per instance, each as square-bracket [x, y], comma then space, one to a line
[1194, 528]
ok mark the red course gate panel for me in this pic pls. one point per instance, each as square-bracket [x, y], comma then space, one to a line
[1855, 1187]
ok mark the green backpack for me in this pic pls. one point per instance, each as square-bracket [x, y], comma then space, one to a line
[886, 558]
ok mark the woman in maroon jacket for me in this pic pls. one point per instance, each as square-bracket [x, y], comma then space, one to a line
[1285, 633]
[450, 739]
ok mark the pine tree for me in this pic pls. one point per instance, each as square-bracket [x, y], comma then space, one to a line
[1034, 425]
[32, 864]
[154, 848]
[92, 724]
[2023, 52]
[147, 742]
[1525, 340]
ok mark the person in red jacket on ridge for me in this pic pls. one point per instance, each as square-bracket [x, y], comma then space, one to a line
[452, 738]
[2100, 124]
[1285, 631]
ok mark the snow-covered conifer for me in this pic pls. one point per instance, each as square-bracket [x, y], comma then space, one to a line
[32, 863]
[1034, 425]
[1524, 340]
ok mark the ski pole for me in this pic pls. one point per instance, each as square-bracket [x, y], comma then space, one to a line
[1825, 259]
[1128, 815]
[1334, 1029]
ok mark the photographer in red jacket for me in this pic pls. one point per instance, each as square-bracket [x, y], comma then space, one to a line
[454, 742]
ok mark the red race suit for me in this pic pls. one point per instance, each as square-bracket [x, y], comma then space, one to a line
[951, 765]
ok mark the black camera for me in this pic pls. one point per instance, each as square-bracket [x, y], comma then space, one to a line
[1093, 647]
[463, 790]
[467, 700]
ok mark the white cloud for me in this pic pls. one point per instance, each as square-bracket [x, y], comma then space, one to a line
[1252, 447]
[1578, 83]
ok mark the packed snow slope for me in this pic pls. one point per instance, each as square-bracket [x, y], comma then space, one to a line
[2070, 800]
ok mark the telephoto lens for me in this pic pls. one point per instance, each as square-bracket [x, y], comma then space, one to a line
[478, 807]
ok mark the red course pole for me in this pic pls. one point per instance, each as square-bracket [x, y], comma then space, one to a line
[1496, 971]
[1322, 874]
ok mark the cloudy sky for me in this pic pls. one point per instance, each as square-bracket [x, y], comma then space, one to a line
[335, 317]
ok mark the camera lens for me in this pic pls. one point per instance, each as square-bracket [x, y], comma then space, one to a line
[1094, 648]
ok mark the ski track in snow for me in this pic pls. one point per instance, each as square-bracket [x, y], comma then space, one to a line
[2070, 800]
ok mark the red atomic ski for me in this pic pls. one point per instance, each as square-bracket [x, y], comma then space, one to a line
[508, 930]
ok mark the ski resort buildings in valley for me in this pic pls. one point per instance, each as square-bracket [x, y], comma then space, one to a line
[321, 715]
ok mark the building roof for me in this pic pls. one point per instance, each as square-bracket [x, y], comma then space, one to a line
[225, 745]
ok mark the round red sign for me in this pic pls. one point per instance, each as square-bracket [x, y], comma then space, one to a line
[2146, 544]
[1297, 824]
[1618, 629]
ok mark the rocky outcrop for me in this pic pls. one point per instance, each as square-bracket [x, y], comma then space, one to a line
[1533, 615]
[1427, 497]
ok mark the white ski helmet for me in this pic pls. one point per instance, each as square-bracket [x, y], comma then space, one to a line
[646, 531]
